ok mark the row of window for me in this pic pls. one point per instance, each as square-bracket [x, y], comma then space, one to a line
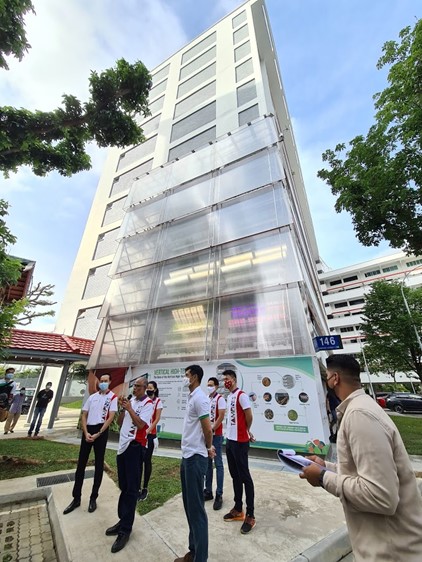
[353, 302]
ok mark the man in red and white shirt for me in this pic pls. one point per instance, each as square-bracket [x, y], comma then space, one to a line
[97, 414]
[217, 413]
[134, 421]
[238, 436]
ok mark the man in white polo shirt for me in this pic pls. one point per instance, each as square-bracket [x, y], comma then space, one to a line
[97, 414]
[197, 447]
[134, 421]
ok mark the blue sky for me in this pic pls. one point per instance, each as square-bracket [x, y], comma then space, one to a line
[327, 52]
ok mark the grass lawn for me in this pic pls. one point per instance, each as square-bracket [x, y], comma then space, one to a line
[37, 456]
[411, 433]
[77, 405]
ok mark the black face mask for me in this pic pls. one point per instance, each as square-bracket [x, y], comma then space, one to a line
[150, 393]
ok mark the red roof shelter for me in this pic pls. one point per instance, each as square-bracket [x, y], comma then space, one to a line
[47, 349]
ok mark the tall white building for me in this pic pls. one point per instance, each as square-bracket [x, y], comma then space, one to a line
[344, 290]
[201, 237]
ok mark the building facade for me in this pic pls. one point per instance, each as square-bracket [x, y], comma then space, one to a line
[200, 244]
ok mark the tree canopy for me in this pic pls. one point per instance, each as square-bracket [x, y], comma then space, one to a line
[378, 177]
[391, 342]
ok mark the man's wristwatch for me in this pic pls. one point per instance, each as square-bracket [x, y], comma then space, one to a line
[321, 477]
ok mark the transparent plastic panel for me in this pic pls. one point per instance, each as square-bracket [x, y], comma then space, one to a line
[131, 293]
[180, 333]
[137, 251]
[302, 342]
[187, 235]
[252, 213]
[197, 63]
[254, 324]
[248, 115]
[149, 185]
[244, 141]
[258, 262]
[123, 341]
[242, 51]
[189, 198]
[184, 280]
[146, 216]
[199, 47]
[195, 99]
[192, 144]
[124, 182]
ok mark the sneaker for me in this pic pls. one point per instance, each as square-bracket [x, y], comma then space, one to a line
[29, 434]
[188, 557]
[218, 502]
[234, 515]
[11, 431]
[248, 524]
[142, 495]
[208, 496]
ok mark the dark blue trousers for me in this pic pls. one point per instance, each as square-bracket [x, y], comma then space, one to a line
[129, 473]
[192, 474]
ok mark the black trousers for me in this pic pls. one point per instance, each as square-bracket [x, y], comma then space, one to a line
[99, 451]
[238, 462]
[129, 473]
[146, 465]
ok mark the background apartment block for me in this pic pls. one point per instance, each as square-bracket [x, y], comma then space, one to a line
[217, 236]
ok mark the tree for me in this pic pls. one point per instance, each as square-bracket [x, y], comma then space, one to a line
[56, 140]
[378, 178]
[38, 296]
[389, 330]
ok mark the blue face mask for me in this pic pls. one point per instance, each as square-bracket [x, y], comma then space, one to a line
[103, 386]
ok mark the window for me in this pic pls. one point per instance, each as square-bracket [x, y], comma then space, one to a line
[240, 34]
[87, 323]
[195, 99]
[372, 273]
[241, 51]
[157, 90]
[160, 75]
[349, 279]
[151, 126]
[156, 105]
[137, 153]
[98, 282]
[193, 121]
[114, 211]
[244, 70]
[197, 63]
[390, 268]
[193, 143]
[106, 244]
[347, 329]
[246, 93]
[196, 80]
[124, 182]
[248, 115]
[199, 47]
[414, 262]
[240, 18]
[356, 301]
[336, 282]
[340, 304]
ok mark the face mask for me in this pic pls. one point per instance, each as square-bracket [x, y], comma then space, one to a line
[103, 386]
[211, 389]
[228, 384]
[186, 381]
[9, 376]
[150, 393]
[22, 393]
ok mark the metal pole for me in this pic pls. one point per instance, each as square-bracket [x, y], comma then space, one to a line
[34, 398]
[409, 311]
[367, 370]
[59, 394]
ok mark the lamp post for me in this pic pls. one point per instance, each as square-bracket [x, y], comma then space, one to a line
[418, 338]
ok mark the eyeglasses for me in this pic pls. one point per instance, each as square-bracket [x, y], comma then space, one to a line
[332, 376]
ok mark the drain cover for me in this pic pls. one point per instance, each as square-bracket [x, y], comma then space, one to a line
[60, 478]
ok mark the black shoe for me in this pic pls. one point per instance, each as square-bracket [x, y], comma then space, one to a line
[218, 502]
[72, 506]
[92, 506]
[208, 496]
[114, 530]
[120, 542]
[142, 495]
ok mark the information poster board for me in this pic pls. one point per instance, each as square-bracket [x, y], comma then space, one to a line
[286, 394]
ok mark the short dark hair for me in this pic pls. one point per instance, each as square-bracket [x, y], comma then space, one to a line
[196, 370]
[230, 373]
[215, 381]
[106, 375]
[155, 385]
[345, 364]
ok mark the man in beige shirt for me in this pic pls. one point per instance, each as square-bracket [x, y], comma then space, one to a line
[373, 477]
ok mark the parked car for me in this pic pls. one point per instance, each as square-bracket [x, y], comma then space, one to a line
[381, 398]
[404, 402]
